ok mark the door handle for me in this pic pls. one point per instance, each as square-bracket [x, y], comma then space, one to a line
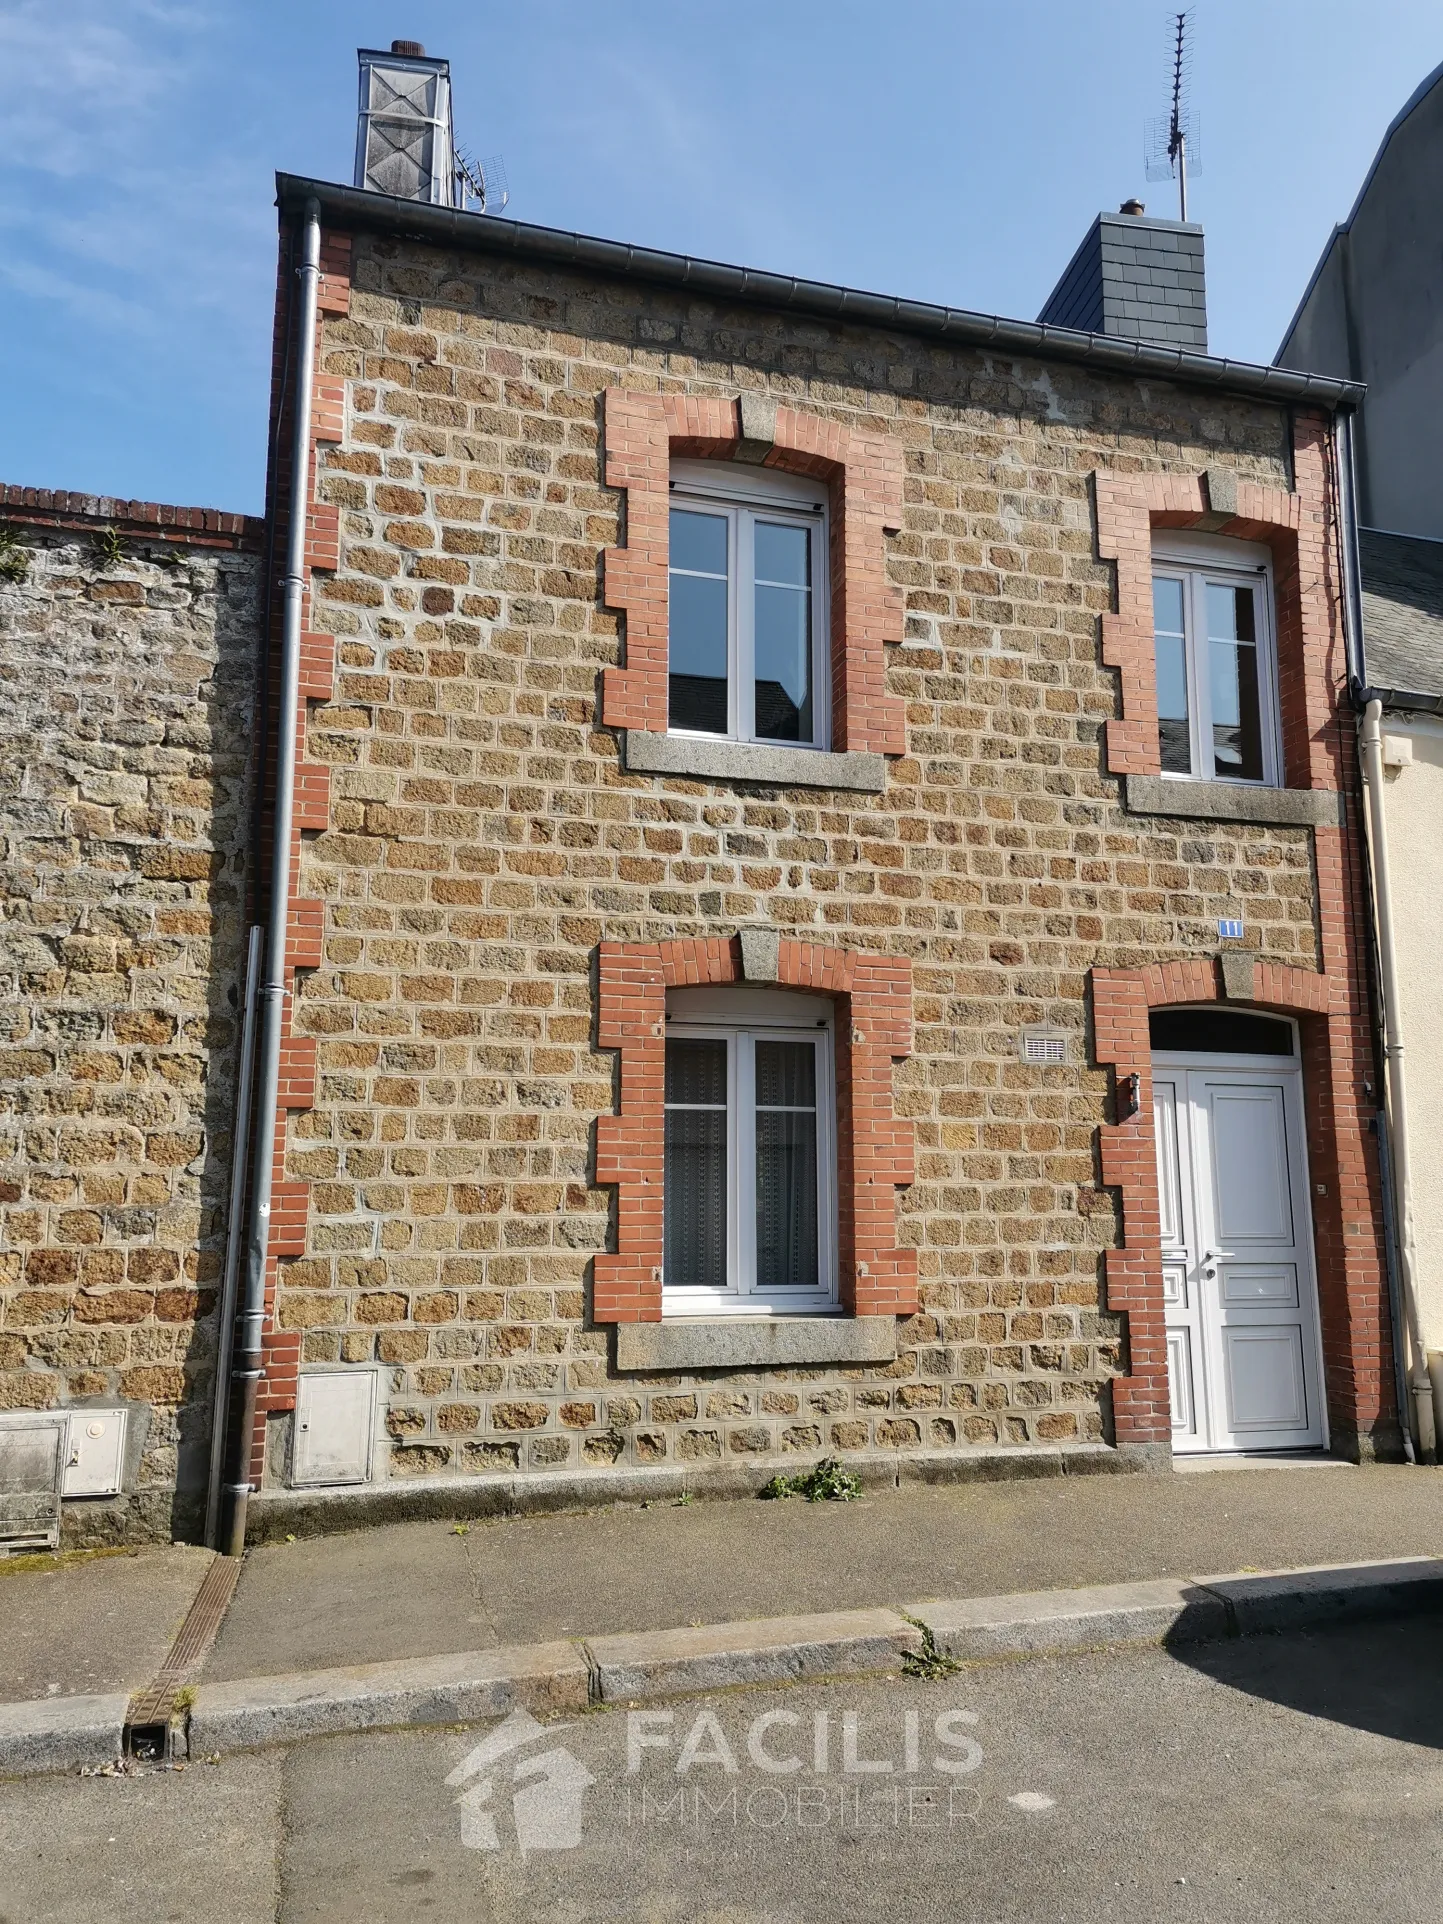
[1211, 1259]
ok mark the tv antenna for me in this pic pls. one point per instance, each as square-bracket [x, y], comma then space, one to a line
[1174, 140]
[481, 184]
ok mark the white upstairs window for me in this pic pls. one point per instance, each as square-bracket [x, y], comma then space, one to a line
[747, 605]
[1217, 682]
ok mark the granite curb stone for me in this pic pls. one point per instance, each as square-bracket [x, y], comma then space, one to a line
[256, 1711]
[665, 1663]
[1336, 1593]
[1166, 1611]
[61, 1733]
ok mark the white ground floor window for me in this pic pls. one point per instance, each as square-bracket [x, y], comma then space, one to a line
[750, 1153]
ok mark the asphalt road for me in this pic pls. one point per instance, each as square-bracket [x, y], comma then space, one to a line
[1261, 1780]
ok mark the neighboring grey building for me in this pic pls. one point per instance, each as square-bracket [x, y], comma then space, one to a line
[1373, 312]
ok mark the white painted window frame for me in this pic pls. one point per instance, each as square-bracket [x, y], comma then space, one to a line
[745, 495]
[741, 1017]
[1195, 560]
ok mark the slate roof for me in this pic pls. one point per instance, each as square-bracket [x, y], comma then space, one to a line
[1402, 583]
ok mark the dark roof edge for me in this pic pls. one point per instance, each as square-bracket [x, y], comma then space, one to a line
[353, 207]
[1400, 698]
[1415, 99]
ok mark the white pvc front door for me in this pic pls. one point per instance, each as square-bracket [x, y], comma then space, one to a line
[1237, 1259]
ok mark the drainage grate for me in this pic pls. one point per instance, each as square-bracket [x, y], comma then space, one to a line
[154, 1719]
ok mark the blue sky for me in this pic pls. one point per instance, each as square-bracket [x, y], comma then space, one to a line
[952, 150]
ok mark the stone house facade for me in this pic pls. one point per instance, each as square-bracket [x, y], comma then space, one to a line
[962, 888]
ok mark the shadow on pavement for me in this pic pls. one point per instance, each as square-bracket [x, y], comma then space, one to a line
[1382, 1677]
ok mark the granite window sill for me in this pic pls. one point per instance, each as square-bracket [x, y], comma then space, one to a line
[755, 1342]
[728, 761]
[1230, 802]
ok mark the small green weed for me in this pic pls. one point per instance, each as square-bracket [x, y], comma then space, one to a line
[460, 1529]
[826, 1482]
[684, 1501]
[110, 546]
[14, 555]
[929, 1662]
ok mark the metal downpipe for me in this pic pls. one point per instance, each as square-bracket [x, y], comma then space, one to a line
[225, 1321]
[1371, 744]
[273, 980]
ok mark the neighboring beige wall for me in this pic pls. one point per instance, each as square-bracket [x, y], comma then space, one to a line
[1413, 801]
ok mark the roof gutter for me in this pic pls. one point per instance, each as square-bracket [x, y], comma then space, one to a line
[354, 208]
[1399, 698]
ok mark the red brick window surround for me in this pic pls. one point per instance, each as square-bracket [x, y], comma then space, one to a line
[863, 476]
[1298, 528]
[873, 994]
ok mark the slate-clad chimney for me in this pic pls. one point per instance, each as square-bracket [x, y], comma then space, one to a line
[1138, 278]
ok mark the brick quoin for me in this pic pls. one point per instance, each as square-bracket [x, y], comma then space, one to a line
[1330, 1005]
[281, 1349]
[873, 994]
[863, 476]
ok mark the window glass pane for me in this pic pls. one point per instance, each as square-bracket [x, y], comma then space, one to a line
[696, 1072]
[1166, 605]
[786, 1075]
[786, 1121]
[1172, 707]
[697, 625]
[1233, 683]
[695, 1248]
[699, 542]
[782, 554]
[783, 633]
[1220, 1031]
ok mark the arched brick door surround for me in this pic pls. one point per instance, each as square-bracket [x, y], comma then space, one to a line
[1352, 1301]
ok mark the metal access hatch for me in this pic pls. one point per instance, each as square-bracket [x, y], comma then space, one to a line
[32, 1465]
[335, 1426]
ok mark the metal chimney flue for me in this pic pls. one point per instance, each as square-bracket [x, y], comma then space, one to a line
[404, 143]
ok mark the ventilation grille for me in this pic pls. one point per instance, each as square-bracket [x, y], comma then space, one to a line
[1044, 1045]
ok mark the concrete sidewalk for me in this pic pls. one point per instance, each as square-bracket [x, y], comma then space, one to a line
[417, 1590]
[91, 1623]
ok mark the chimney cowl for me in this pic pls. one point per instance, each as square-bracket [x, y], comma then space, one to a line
[1133, 206]
[404, 146]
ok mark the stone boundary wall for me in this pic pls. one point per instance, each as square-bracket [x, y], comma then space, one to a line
[128, 676]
